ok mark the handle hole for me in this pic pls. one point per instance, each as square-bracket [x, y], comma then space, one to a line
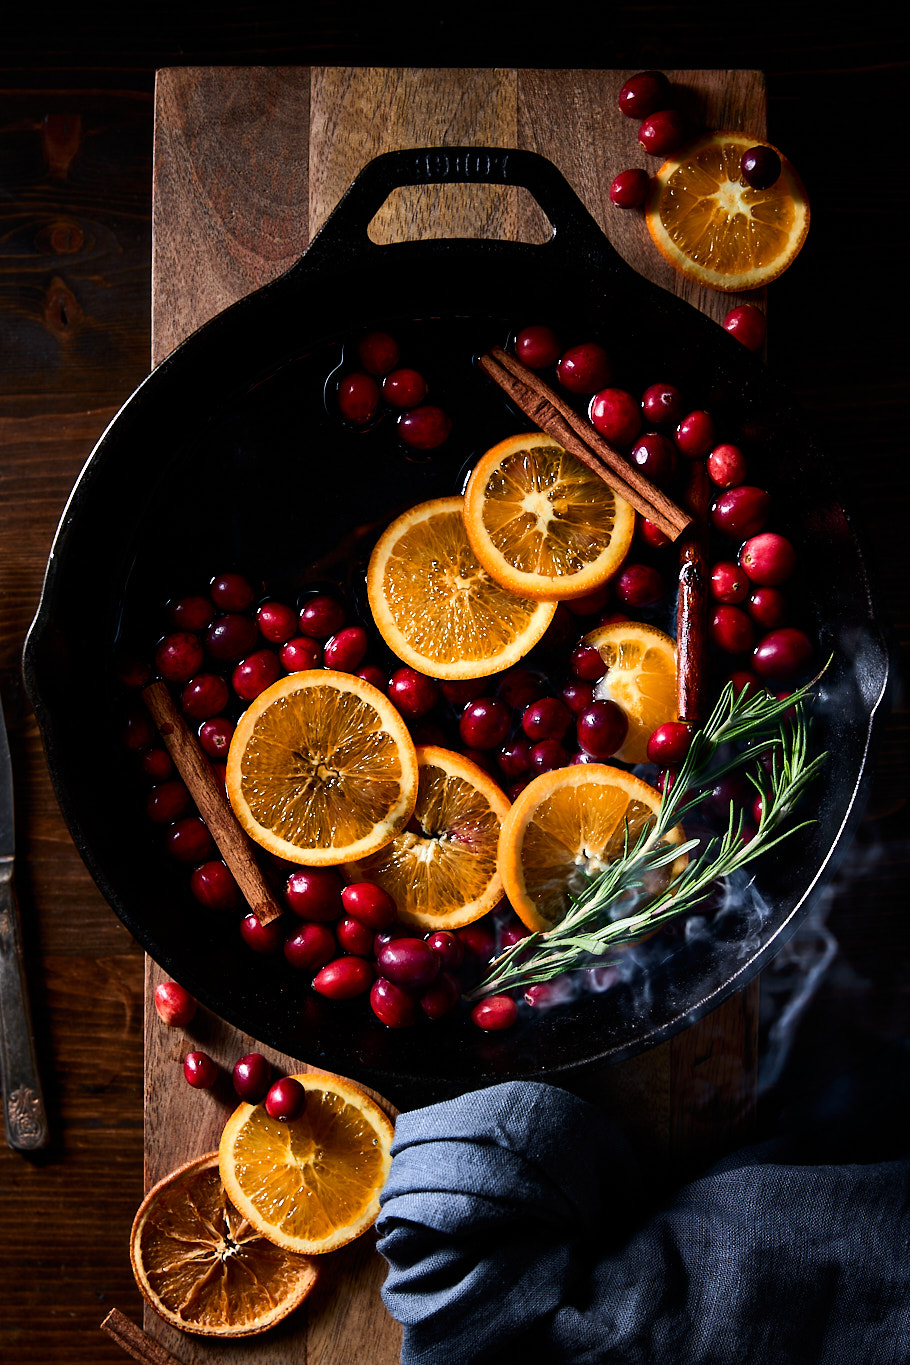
[422, 213]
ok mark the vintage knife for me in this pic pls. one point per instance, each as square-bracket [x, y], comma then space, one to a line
[23, 1103]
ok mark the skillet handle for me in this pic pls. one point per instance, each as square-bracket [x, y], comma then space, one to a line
[344, 233]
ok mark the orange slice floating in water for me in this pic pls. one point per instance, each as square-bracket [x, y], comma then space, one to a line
[640, 678]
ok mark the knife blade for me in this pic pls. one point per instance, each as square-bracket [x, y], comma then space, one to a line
[23, 1102]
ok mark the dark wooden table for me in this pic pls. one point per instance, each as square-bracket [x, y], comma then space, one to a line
[75, 265]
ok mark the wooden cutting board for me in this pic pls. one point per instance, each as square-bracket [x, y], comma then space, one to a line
[248, 164]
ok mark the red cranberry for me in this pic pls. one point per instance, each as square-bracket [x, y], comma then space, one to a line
[192, 613]
[345, 650]
[768, 607]
[695, 434]
[602, 728]
[344, 978]
[133, 672]
[577, 696]
[760, 167]
[494, 1013]
[378, 352]
[174, 1004]
[768, 559]
[662, 403]
[204, 696]
[285, 1100]
[277, 622]
[744, 681]
[640, 585]
[425, 427]
[314, 893]
[392, 1004]
[655, 456]
[741, 512]
[409, 962]
[213, 885]
[782, 654]
[662, 131]
[310, 947]
[156, 764]
[255, 673]
[354, 937]
[669, 743]
[262, 938]
[519, 687]
[616, 415]
[404, 388]
[558, 636]
[586, 663]
[548, 718]
[199, 1070]
[731, 630]
[747, 323]
[458, 692]
[584, 368]
[189, 840]
[428, 732]
[232, 592]
[371, 905]
[300, 654]
[728, 583]
[215, 736]
[374, 676]
[413, 693]
[231, 637]
[251, 1076]
[448, 948]
[537, 347]
[591, 603]
[643, 93]
[652, 535]
[514, 758]
[485, 723]
[442, 997]
[179, 656]
[547, 755]
[478, 940]
[629, 189]
[726, 466]
[167, 802]
[321, 617]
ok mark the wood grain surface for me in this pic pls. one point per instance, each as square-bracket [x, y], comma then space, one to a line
[76, 137]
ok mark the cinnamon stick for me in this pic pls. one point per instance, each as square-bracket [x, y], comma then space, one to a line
[134, 1341]
[206, 791]
[692, 601]
[550, 413]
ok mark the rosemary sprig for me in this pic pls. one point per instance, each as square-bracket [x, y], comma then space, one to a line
[593, 924]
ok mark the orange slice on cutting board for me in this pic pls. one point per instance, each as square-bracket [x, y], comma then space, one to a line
[436, 606]
[203, 1267]
[541, 523]
[322, 769]
[441, 872]
[713, 227]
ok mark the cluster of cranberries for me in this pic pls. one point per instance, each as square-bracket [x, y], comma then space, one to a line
[382, 385]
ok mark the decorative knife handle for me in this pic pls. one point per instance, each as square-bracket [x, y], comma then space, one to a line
[23, 1103]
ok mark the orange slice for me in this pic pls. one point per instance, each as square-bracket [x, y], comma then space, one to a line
[443, 874]
[711, 226]
[565, 827]
[321, 768]
[201, 1265]
[311, 1184]
[437, 608]
[640, 678]
[541, 523]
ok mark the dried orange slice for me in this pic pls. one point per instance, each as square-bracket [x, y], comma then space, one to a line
[640, 678]
[203, 1267]
[437, 608]
[567, 826]
[311, 1184]
[445, 875]
[541, 523]
[321, 768]
[711, 226]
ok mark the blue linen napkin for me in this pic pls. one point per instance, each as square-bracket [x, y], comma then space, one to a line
[509, 1228]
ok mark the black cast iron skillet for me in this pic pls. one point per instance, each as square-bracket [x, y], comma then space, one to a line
[228, 455]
